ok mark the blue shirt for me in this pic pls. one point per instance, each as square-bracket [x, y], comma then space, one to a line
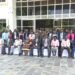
[5, 36]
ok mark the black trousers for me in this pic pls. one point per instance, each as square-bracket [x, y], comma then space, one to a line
[31, 51]
[4, 49]
[59, 49]
[49, 50]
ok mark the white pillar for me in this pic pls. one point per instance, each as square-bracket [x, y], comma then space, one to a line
[34, 25]
[11, 5]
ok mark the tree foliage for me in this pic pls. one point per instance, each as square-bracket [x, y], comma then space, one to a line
[2, 28]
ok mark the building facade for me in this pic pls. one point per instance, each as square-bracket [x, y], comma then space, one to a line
[36, 14]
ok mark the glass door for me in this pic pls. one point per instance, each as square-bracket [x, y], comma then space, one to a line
[44, 24]
[27, 25]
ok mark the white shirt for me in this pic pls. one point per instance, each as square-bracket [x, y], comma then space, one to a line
[15, 35]
[61, 36]
[45, 42]
[32, 36]
[18, 42]
[55, 43]
[36, 42]
[50, 35]
[65, 43]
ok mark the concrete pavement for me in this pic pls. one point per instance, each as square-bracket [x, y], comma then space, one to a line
[21, 65]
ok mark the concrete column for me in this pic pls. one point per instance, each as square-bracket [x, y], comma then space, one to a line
[11, 7]
[34, 25]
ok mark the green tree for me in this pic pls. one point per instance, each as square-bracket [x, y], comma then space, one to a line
[2, 28]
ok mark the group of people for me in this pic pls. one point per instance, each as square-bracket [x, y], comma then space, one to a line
[55, 41]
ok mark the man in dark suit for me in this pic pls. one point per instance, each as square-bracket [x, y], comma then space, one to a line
[26, 34]
[46, 44]
[37, 43]
[40, 44]
[15, 34]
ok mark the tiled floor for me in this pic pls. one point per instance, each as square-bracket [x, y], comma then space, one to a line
[21, 65]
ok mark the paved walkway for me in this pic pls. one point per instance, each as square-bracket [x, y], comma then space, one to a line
[21, 65]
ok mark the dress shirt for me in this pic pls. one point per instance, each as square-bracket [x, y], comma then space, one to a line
[65, 43]
[18, 42]
[55, 43]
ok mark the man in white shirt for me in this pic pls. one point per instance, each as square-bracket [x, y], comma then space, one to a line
[32, 36]
[65, 44]
[17, 44]
[54, 45]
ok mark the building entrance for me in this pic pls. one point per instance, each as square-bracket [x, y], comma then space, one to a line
[44, 24]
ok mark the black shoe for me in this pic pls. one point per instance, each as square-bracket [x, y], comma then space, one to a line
[72, 57]
[48, 56]
[11, 54]
[20, 54]
[8, 53]
[41, 56]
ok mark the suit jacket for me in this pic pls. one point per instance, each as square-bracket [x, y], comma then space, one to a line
[26, 33]
[17, 34]
[39, 42]
[48, 42]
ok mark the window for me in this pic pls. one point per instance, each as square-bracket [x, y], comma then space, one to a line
[30, 10]
[24, 3]
[24, 11]
[58, 9]
[2, 0]
[71, 22]
[18, 4]
[27, 23]
[24, 0]
[37, 2]
[66, 9]
[2, 23]
[58, 1]
[18, 11]
[17, 0]
[58, 23]
[65, 23]
[19, 25]
[66, 1]
[18, 22]
[51, 10]
[37, 10]
[51, 2]
[72, 1]
[44, 2]
[73, 8]
[19, 28]
[44, 10]
[44, 24]
[30, 3]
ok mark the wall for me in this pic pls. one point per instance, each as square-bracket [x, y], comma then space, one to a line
[8, 12]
